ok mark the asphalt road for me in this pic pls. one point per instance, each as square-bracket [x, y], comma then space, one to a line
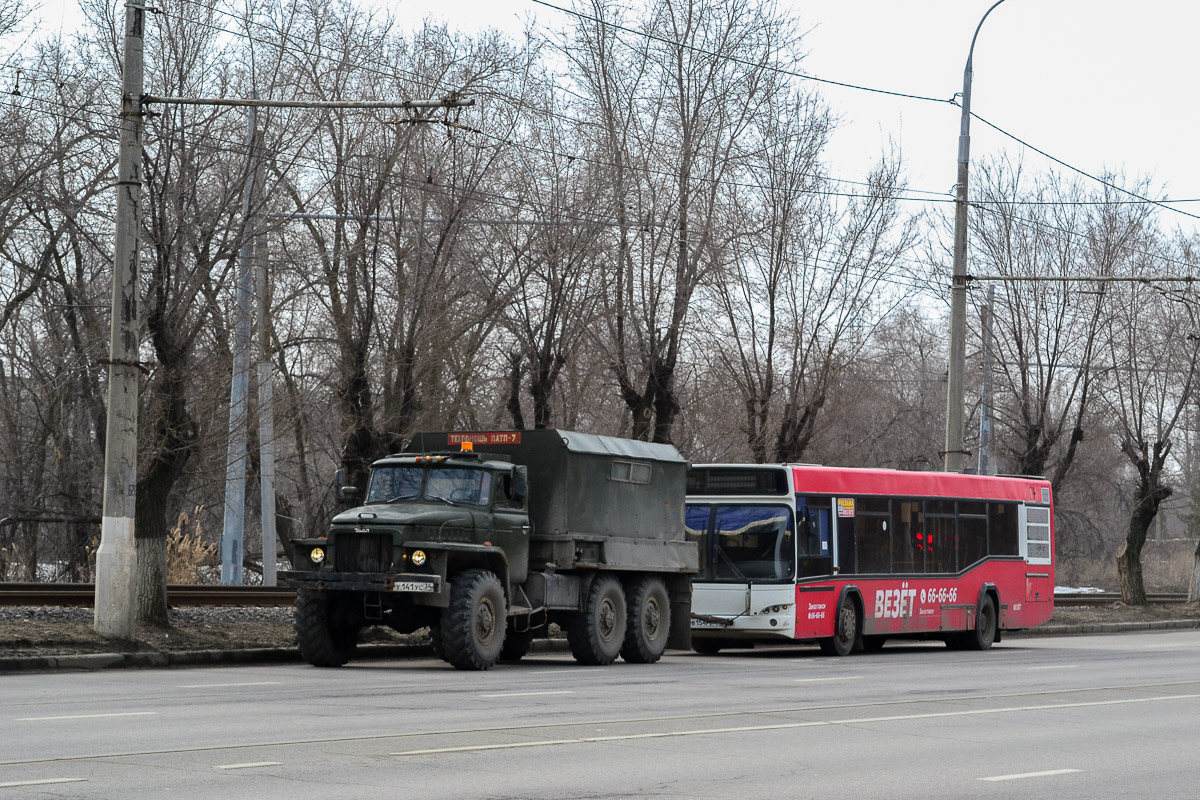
[1073, 717]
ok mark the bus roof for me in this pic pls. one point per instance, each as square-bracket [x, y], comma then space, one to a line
[848, 481]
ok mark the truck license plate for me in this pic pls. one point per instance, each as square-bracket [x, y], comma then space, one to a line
[413, 586]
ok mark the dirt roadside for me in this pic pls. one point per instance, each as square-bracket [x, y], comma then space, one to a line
[48, 631]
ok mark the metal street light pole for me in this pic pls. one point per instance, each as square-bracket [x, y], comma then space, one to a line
[955, 451]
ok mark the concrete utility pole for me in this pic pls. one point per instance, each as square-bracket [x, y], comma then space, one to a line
[233, 534]
[955, 451]
[986, 466]
[116, 560]
[266, 412]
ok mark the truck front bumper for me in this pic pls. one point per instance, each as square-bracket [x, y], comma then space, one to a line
[404, 582]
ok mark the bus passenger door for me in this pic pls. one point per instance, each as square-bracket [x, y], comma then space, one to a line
[814, 538]
[844, 556]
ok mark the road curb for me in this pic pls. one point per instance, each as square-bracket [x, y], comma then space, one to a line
[1085, 628]
[90, 662]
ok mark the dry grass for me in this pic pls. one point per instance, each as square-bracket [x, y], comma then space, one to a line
[187, 552]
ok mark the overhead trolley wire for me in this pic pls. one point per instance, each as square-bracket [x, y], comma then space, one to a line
[735, 60]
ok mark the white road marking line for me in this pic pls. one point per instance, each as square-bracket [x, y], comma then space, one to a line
[1042, 774]
[786, 726]
[92, 716]
[838, 678]
[1057, 666]
[1173, 644]
[250, 765]
[225, 685]
[42, 782]
[527, 694]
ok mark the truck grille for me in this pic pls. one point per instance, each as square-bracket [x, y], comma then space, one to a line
[362, 552]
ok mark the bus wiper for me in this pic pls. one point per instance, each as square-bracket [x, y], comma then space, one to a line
[729, 561]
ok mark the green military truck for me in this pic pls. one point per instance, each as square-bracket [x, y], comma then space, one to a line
[489, 538]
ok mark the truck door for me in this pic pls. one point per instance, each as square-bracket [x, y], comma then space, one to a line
[510, 526]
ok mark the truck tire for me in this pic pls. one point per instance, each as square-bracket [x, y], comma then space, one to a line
[324, 641]
[473, 624]
[597, 633]
[435, 641]
[516, 645]
[648, 625]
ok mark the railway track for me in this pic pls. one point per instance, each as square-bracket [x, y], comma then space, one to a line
[1106, 598]
[83, 594]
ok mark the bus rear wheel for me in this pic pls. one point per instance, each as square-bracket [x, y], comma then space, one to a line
[845, 630]
[985, 626]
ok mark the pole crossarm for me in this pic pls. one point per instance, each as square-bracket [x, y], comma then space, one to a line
[257, 103]
[1089, 278]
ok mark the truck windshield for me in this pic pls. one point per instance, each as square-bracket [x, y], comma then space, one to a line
[454, 485]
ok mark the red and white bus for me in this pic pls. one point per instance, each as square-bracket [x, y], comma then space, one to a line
[849, 558]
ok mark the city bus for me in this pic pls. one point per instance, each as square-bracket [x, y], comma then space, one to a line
[850, 558]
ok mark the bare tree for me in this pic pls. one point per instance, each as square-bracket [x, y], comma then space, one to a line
[671, 110]
[1047, 332]
[1153, 345]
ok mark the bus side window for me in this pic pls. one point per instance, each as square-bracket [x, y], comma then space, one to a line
[1002, 529]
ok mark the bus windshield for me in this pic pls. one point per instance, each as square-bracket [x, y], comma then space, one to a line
[743, 542]
[453, 485]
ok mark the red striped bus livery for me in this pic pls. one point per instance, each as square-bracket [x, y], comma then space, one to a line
[849, 558]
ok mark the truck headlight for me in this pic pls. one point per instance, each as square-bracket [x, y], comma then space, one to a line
[317, 555]
[418, 557]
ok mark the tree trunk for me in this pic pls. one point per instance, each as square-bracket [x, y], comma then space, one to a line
[1129, 558]
[152, 580]
[1194, 586]
[514, 392]
[175, 436]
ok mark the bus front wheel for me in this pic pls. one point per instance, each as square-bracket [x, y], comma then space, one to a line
[845, 630]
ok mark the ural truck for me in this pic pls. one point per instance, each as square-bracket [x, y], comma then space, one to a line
[489, 538]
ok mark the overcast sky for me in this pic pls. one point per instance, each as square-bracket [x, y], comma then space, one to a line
[1101, 85]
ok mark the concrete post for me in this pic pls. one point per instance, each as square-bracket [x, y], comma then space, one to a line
[116, 560]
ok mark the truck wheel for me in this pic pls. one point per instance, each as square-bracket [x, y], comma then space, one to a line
[516, 645]
[985, 627]
[596, 634]
[706, 647]
[435, 641]
[324, 640]
[845, 630]
[649, 622]
[473, 623]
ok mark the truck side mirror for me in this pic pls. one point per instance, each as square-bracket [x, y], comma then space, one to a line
[520, 484]
[341, 492]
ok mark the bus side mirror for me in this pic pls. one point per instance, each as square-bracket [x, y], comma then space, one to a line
[520, 484]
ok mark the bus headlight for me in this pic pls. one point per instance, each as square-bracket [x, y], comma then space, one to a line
[418, 557]
[317, 555]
